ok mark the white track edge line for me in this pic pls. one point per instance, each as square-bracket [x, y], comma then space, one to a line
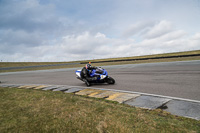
[148, 94]
[134, 92]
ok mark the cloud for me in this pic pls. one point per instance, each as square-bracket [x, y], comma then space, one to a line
[137, 28]
[20, 37]
[33, 30]
[95, 46]
[171, 36]
[163, 27]
[27, 15]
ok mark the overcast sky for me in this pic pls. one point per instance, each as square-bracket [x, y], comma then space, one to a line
[68, 30]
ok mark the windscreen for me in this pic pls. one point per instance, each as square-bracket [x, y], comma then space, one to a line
[99, 70]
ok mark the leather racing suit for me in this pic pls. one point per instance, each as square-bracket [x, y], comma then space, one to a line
[85, 74]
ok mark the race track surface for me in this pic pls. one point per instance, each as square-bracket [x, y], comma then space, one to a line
[175, 79]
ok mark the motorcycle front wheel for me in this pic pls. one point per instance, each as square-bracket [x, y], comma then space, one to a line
[110, 80]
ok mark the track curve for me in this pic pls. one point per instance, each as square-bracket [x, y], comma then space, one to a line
[176, 79]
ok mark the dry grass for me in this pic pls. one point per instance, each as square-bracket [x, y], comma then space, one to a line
[24, 110]
[148, 61]
[152, 56]
[18, 64]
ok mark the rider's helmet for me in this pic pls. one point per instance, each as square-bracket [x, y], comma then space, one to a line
[88, 66]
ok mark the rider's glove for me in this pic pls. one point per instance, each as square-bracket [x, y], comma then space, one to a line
[90, 71]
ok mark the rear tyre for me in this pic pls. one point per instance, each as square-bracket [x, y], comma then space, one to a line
[110, 80]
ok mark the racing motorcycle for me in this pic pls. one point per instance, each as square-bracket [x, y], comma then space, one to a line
[100, 73]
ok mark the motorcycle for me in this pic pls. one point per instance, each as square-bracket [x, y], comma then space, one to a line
[100, 73]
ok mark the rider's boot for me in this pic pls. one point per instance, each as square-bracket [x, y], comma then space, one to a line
[86, 82]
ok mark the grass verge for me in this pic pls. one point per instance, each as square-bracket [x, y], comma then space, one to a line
[26, 110]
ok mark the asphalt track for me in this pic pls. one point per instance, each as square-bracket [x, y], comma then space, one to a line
[175, 79]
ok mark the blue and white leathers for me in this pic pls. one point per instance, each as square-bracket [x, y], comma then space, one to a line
[100, 73]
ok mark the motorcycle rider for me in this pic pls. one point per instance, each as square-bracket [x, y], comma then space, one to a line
[85, 74]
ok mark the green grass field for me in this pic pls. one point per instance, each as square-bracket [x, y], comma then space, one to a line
[28, 110]
[18, 64]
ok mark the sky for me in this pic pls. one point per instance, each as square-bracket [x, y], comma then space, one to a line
[71, 30]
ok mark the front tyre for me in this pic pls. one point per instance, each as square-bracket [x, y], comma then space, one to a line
[110, 80]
